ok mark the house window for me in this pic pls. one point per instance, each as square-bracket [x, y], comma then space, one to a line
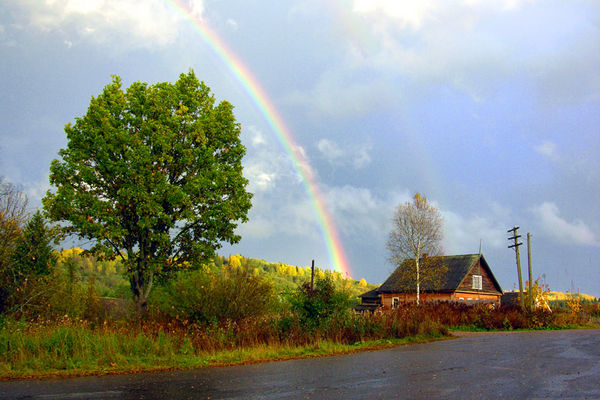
[477, 282]
[395, 302]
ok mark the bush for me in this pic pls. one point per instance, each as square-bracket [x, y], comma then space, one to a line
[314, 307]
[203, 296]
[55, 295]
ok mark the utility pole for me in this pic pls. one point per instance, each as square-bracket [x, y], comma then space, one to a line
[530, 273]
[516, 245]
[312, 275]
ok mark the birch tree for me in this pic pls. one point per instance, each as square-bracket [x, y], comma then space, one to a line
[415, 237]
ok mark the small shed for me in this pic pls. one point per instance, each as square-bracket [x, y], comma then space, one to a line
[369, 301]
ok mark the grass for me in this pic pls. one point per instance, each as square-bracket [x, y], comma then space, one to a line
[36, 351]
[73, 347]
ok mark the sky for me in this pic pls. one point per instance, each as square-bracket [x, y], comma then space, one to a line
[491, 109]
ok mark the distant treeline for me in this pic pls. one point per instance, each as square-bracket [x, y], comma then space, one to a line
[108, 276]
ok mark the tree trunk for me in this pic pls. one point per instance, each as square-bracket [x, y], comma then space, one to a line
[140, 286]
[418, 279]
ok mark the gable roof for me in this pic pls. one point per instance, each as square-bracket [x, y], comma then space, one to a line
[459, 267]
[371, 294]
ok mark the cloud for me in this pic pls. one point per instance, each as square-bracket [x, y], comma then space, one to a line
[259, 177]
[265, 165]
[256, 136]
[358, 212]
[233, 24]
[329, 149]
[355, 155]
[547, 148]
[130, 23]
[406, 13]
[576, 232]
[476, 46]
[196, 8]
[504, 5]
[344, 92]
[37, 190]
[463, 233]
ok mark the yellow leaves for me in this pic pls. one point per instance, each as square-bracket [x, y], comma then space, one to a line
[291, 270]
[574, 304]
[235, 261]
[182, 110]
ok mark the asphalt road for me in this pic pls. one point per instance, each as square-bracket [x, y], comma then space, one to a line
[523, 365]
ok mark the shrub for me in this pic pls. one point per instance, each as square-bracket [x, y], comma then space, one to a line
[315, 306]
[204, 296]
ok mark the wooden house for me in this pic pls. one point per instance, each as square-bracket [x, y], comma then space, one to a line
[469, 279]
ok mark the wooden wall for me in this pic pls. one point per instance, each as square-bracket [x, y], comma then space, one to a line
[486, 282]
[467, 297]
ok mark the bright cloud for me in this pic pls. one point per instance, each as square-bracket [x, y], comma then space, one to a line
[329, 149]
[127, 22]
[476, 45]
[547, 149]
[407, 13]
[576, 232]
[357, 211]
[265, 165]
[260, 175]
[463, 233]
[197, 8]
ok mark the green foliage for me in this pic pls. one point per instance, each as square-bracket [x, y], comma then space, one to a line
[51, 296]
[204, 296]
[33, 253]
[107, 276]
[152, 175]
[316, 306]
[32, 258]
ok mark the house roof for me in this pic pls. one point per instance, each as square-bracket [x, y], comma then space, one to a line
[458, 268]
[371, 294]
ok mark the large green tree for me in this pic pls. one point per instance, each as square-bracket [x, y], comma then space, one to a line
[152, 175]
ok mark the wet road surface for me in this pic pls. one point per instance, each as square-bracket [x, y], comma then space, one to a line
[523, 365]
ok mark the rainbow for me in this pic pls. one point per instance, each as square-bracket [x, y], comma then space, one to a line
[254, 90]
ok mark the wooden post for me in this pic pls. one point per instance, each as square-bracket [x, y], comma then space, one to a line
[520, 278]
[516, 245]
[530, 273]
[312, 275]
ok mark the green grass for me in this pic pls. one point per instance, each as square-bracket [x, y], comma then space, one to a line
[41, 351]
